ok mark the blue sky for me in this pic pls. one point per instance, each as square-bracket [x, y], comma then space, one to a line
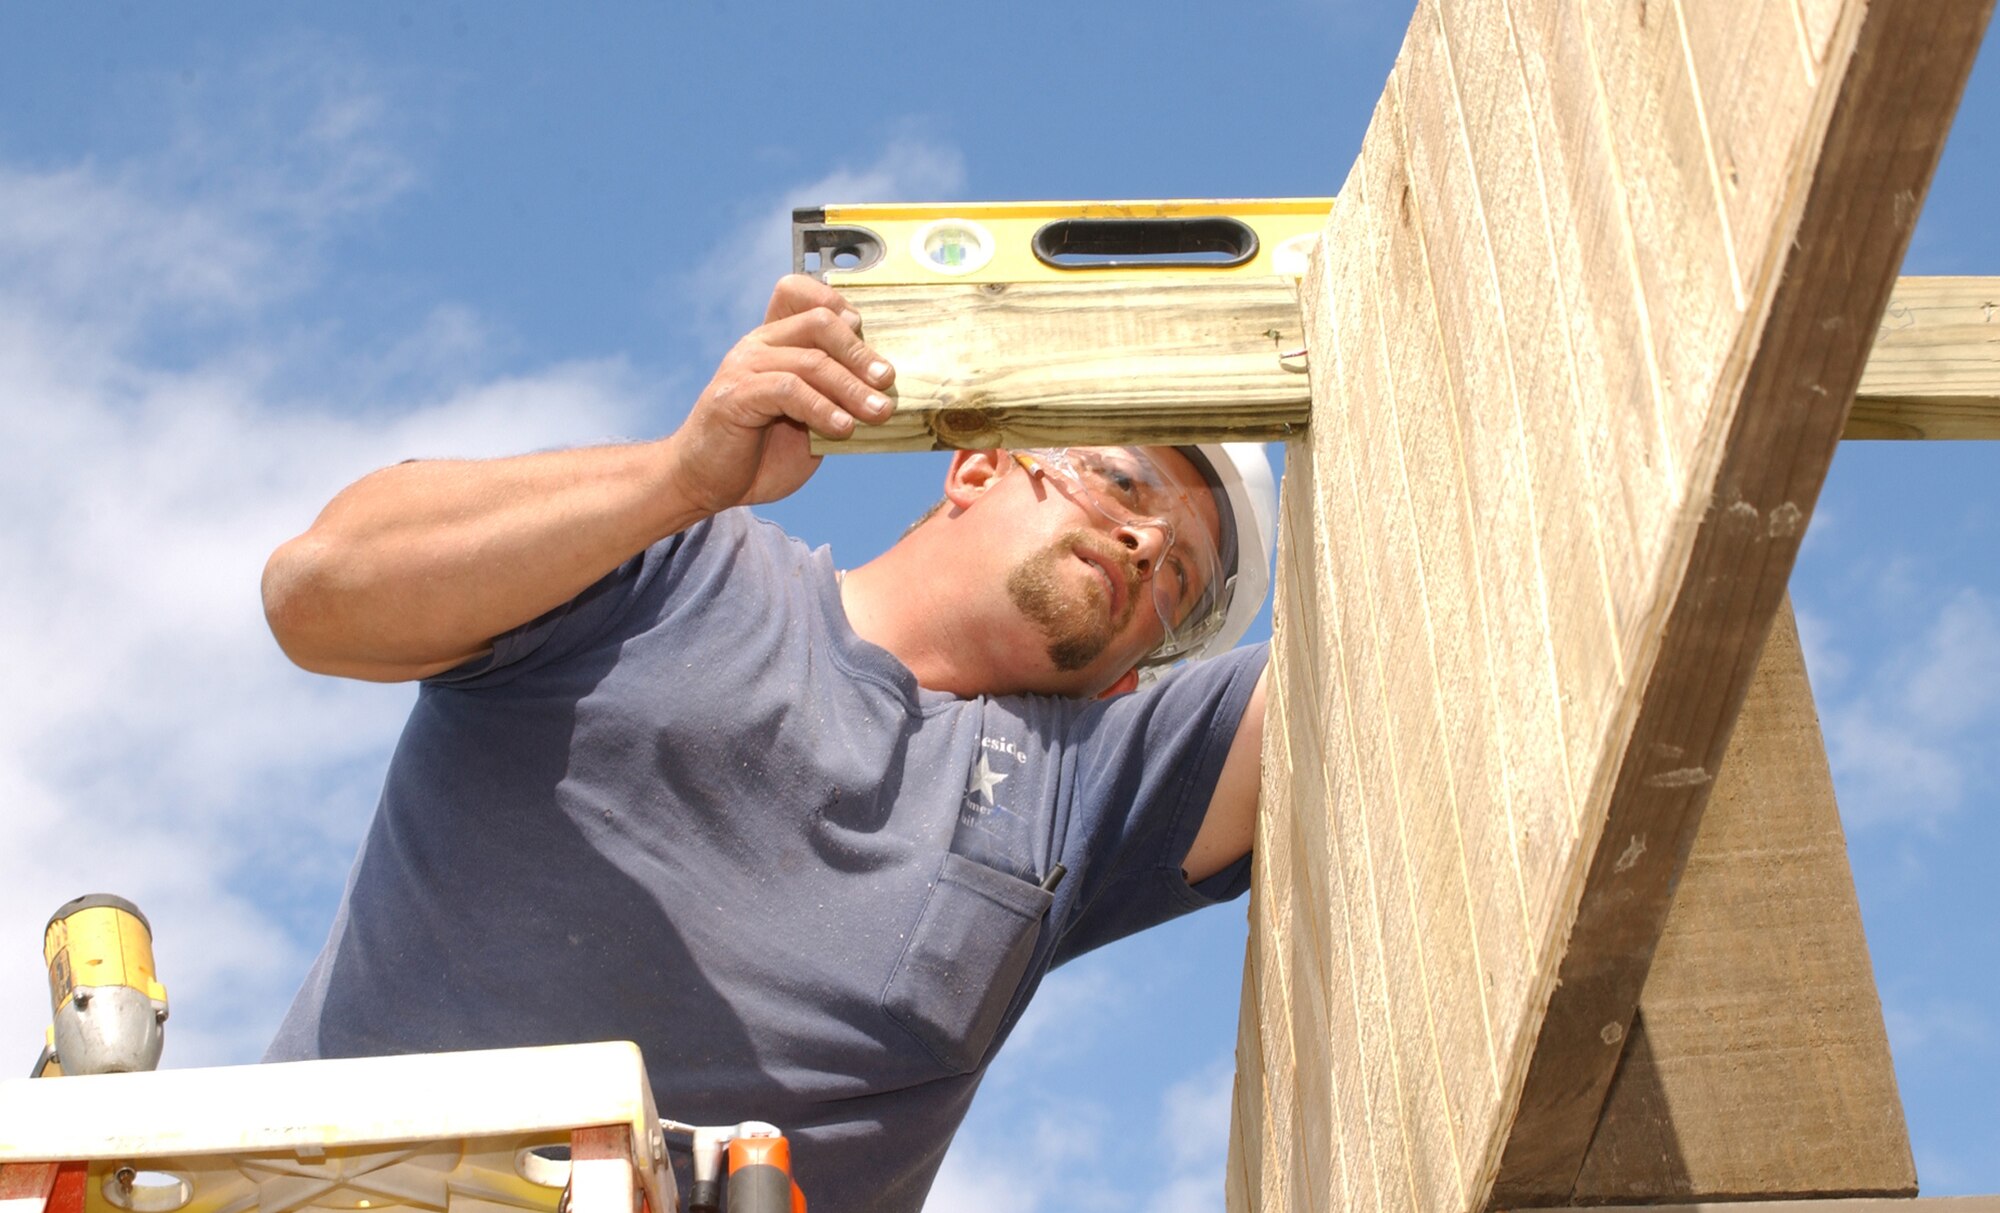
[250, 251]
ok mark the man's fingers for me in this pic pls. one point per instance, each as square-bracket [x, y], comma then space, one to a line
[826, 375]
[783, 393]
[797, 294]
[824, 330]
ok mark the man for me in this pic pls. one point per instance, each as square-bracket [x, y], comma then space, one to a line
[812, 839]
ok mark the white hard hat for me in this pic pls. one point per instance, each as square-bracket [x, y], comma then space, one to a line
[1246, 497]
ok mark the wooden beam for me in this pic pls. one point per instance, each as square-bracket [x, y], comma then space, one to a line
[1038, 364]
[1935, 368]
[1758, 1065]
[1584, 327]
[1045, 364]
[1867, 122]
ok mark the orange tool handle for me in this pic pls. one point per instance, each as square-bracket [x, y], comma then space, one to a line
[760, 1177]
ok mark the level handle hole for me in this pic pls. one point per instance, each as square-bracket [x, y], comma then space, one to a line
[1195, 242]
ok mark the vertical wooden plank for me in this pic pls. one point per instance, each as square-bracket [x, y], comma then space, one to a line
[1299, 877]
[1750, 101]
[1535, 601]
[1580, 338]
[1758, 1065]
[1502, 369]
[1411, 1173]
[1446, 1057]
[1272, 925]
[1307, 638]
[1242, 1176]
[1860, 160]
[1817, 19]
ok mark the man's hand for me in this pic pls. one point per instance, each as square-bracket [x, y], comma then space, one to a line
[805, 370]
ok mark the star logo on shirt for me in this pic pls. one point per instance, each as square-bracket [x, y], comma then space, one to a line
[984, 780]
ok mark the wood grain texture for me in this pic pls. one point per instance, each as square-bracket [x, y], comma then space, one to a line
[1758, 1065]
[1048, 365]
[1865, 149]
[1935, 368]
[1584, 324]
[1044, 364]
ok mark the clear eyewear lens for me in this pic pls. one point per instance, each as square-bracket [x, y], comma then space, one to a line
[1126, 487]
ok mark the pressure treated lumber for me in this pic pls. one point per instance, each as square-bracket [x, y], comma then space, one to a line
[1044, 364]
[1935, 368]
[1758, 1065]
[1584, 327]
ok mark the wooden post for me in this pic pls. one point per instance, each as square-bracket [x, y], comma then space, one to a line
[1584, 329]
[1758, 1064]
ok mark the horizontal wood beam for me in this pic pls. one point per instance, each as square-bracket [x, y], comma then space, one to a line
[1935, 368]
[1049, 364]
[1041, 364]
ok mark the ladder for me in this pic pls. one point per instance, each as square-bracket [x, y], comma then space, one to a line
[537, 1130]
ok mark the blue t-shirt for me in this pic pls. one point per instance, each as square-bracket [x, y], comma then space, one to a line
[694, 810]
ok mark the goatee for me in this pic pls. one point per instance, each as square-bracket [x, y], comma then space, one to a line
[1073, 622]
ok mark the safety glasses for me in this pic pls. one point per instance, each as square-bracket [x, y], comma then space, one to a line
[1127, 488]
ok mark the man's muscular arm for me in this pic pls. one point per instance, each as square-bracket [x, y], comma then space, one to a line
[416, 568]
[1231, 824]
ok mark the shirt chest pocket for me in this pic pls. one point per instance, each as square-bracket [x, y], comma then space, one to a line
[965, 959]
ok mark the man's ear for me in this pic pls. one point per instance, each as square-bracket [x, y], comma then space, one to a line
[972, 473]
[1127, 683]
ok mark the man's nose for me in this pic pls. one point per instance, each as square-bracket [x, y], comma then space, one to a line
[1147, 544]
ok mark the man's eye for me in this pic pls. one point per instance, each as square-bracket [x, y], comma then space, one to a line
[1178, 567]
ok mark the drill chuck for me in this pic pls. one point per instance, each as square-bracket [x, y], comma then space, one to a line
[109, 1008]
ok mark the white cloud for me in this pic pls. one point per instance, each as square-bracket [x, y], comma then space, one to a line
[259, 166]
[1194, 1132]
[1033, 1152]
[1049, 1164]
[1959, 1026]
[1957, 678]
[152, 740]
[1827, 663]
[68, 233]
[1906, 737]
[729, 288]
[1941, 1173]
[1071, 1007]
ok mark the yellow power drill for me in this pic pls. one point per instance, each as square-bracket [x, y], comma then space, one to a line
[108, 1008]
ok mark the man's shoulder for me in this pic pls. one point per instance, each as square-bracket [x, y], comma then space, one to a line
[740, 527]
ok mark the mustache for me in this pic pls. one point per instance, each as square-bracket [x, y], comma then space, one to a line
[1114, 555]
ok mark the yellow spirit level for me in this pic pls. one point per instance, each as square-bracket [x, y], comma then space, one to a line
[898, 244]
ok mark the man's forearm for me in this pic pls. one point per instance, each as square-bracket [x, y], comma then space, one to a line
[415, 568]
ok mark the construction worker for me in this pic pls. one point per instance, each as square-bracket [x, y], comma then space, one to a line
[811, 839]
